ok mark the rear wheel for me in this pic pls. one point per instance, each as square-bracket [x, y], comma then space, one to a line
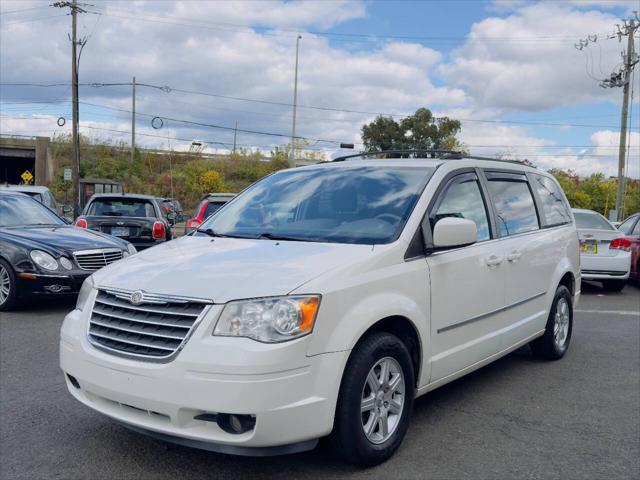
[8, 290]
[613, 285]
[557, 335]
[375, 401]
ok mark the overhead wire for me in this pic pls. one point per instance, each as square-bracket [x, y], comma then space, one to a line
[169, 89]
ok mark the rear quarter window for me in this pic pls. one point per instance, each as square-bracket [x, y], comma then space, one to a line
[555, 210]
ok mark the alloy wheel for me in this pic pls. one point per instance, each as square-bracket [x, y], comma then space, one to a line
[561, 322]
[382, 400]
[5, 284]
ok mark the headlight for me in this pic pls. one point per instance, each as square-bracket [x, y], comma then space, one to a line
[275, 319]
[129, 251]
[44, 260]
[85, 291]
[66, 263]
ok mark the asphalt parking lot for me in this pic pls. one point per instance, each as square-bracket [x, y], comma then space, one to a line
[517, 418]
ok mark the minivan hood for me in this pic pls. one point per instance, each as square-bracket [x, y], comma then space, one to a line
[223, 269]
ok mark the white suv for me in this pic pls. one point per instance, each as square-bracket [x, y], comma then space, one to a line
[323, 300]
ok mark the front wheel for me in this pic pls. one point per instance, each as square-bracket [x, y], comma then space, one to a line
[553, 344]
[8, 289]
[375, 400]
[613, 285]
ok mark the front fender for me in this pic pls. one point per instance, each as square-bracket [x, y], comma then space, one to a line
[347, 312]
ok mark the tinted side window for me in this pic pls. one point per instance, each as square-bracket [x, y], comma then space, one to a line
[515, 210]
[626, 226]
[554, 209]
[463, 199]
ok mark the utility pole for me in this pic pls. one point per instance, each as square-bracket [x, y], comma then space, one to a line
[621, 78]
[295, 106]
[629, 64]
[133, 118]
[75, 135]
[235, 137]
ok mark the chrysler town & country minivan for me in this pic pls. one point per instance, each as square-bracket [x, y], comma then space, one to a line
[323, 300]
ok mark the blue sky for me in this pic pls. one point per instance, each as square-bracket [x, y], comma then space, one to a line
[507, 69]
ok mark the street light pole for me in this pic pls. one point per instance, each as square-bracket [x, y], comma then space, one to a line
[295, 105]
[133, 119]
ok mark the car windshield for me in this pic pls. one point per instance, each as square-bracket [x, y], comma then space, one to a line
[19, 210]
[592, 221]
[121, 207]
[365, 205]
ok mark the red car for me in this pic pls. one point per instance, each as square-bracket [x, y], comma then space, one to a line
[631, 228]
[209, 204]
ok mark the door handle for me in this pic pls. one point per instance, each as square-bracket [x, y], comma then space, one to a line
[514, 256]
[494, 260]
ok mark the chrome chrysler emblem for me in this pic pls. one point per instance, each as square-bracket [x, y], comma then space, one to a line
[137, 298]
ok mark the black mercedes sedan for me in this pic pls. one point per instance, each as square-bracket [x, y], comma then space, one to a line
[42, 255]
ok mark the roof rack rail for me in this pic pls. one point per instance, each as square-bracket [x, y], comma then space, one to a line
[443, 155]
[423, 151]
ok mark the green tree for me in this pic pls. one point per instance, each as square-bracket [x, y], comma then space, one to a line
[420, 131]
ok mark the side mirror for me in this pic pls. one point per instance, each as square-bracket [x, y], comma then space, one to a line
[451, 232]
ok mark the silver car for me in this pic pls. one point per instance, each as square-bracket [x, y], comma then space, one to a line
[605, 253]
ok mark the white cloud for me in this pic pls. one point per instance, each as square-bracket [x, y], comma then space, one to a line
[204, 46]
[527, 60]
[228, 59]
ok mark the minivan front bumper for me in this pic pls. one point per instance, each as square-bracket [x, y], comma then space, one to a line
[292, 396]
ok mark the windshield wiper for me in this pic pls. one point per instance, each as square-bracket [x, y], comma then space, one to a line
[211, 233]
[276, 236]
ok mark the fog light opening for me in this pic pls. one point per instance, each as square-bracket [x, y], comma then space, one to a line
[235, 423]
[73, 381]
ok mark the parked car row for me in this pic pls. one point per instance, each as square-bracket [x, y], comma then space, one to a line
[42, 254]
[170, 208]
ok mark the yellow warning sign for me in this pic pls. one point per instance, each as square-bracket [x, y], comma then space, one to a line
[27, 177]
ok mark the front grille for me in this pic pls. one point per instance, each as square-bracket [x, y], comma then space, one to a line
[155, 328]
[96, 259]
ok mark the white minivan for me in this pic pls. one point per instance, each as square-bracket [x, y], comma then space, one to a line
[323, 300]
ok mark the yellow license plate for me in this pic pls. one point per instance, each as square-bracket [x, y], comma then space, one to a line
[591, 248]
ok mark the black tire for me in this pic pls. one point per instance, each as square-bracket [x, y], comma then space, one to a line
[12, 299]
[613, 285]
[548, 346]
[348, 439]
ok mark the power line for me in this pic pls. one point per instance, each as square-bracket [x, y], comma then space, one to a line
[168, 89]
[4, 24]
[20, 11]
